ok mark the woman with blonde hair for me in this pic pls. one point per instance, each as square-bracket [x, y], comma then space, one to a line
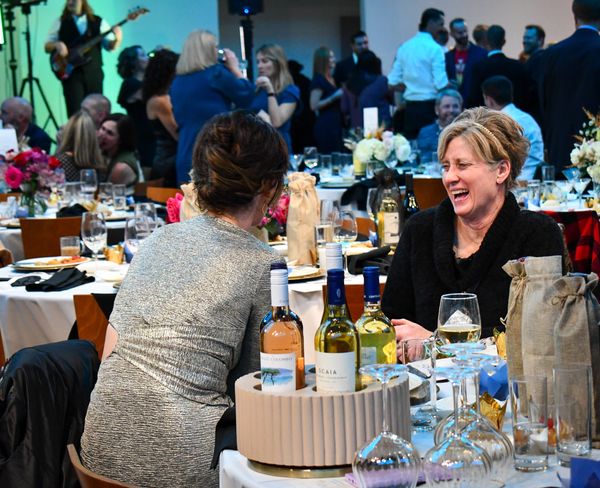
[325, 102]
[462, 244]
[79, 147]
[204, 87]
[277, 98]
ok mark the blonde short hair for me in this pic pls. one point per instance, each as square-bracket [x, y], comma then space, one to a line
[281, 76]
[492, 135]
[199, 52]
[79, 138]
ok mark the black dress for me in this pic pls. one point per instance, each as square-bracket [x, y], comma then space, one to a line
[424, 266]
[165, 155]
[328, 126]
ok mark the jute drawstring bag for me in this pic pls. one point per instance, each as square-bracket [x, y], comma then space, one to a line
[303, 215]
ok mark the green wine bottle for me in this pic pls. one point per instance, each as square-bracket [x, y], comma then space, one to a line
[337, 344]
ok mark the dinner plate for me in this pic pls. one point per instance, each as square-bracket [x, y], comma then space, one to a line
[303, 273]
[118, 215]
[49, 263]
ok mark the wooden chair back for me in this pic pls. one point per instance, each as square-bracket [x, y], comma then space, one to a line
[429, 192]
[354, 298]
[364, 225]
[4, 196]
[41, 237]
[139, 189]
[2, 356]
[161, 195]
[91, 321]
[86, 477]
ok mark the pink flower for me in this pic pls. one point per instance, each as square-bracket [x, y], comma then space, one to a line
[173, 207]
[13, 177]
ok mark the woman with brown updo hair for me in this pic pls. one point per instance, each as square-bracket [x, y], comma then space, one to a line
[186, 320]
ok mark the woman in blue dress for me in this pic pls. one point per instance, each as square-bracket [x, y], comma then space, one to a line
[325, 102]
[204, 88]
[277, 98]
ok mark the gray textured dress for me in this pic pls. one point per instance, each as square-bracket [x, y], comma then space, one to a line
[187, 316]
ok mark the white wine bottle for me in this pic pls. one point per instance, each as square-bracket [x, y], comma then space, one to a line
[337, 344]
[376, 332]
[281, 340]
[388, 219]
[334, 260]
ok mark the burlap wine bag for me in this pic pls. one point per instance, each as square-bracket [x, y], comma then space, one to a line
[513, 323]
[576, 333]
[303, 215]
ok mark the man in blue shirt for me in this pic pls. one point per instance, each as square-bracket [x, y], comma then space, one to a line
[448, 105]
[17, 113]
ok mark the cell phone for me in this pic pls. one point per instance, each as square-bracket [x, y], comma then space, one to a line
[221, 56]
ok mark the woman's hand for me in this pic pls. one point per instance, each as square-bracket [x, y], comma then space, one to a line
[265, 83]
[405, 330]
[232, 63]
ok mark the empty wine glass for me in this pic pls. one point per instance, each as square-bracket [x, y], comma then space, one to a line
[580, 184]
[136, 230]
[345, 228]
[295, 160]
[388, 459]
[93, 232]
[89, 183]
[311, 157]
[456, 462]
[565, 187]
[459, 319]
[146, 211]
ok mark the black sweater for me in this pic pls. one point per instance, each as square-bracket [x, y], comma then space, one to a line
[424, 266]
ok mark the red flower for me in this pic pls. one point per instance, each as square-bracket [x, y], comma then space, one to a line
[13, 177]
[22, 159]
[173, 207]
[53, 162]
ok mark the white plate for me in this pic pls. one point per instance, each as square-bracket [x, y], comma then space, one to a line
[49, 263]
[118, 215]
[304, 273]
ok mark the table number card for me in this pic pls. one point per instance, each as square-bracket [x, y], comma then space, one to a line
[8, 141]
[370, 120]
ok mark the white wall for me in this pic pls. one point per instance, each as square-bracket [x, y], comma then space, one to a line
[168, 23]
[390, 22]
[299, 26]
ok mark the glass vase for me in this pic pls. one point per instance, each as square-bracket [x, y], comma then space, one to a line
[32, 201]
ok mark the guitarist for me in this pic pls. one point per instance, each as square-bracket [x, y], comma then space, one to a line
[76, 25]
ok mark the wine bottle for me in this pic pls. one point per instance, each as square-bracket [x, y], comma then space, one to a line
[334, 260]
[410, 205]
[388, 219]
[281, 339]
[337, 344]
[376, 332]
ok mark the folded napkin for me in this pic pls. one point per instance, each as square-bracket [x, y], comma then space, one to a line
[26, 280]
[377, 257]
[62, 280]
[496, 385]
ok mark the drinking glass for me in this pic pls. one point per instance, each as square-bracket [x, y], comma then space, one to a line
[105, 193]
[136, 230]
[533, 193]
[573, 401]
[345, 228]
[388, 459]
[414, 159]
[565, 187]
[325, 165]
[548, 172]
[456, 461]
[89, 183]
[336, 163]
[146, 212]
[93, 232]
[119, 197]
[295, 160]
[311, 157]
[70, 246]
[458, 318]
[580, 184]
[529, 404]
[71, 192]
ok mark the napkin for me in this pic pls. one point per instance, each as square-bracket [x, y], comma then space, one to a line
[62, 280]
[497, 384]
[75, 210]
[377, 257]
[585, 473]
[26, 280]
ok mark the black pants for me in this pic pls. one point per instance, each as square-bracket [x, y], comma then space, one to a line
[416, 116]
[82, 82]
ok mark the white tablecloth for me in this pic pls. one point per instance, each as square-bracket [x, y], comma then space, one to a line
[32, 318]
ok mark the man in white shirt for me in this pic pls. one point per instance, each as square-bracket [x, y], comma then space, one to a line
[498, 95]
[419, 71]
[77, 25]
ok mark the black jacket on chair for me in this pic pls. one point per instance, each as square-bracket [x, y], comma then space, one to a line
[44, 395]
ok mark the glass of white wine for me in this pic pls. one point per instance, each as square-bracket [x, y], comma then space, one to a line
[459, 319]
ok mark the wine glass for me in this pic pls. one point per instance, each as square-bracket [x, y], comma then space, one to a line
[93, 232]
[136, 230]
[456, 461]
[146, 211]
[580, 184]
[89, 183]
[311, 157]
[458, 318]
[295, 160]
[344, 227]
[388, 459]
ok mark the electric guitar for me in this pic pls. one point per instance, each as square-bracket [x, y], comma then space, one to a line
[62, 67]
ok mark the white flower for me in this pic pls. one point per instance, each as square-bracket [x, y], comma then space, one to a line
[380, 151]
[401, 147]
[575, 155]
[594, 172]
[364, 150]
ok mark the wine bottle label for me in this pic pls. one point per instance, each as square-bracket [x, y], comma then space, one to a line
[391, 227]
[278, 372]
[335, 371]
[368, 355]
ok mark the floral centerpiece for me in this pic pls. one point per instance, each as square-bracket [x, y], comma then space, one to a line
[35, 173]
[381, 146]
[586, 153]
[275, 217]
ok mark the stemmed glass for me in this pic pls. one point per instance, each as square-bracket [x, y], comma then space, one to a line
[580, 185]
[89, 183]
[459, 319]
[456, 461]
[93, 232]
[344, 227]
[311, 157]
[388, 459]
[146, 212]
[136, 230]
[295, 160]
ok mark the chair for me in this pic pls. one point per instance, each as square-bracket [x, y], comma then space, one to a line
[87, 478]
[2, 356]
[4, 196]
[92, 320]
[364, 226]
[41, 237]
[429, 192]
[354, 298]
[139, 189]
[161, 195]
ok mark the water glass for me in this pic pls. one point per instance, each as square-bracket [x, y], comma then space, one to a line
[548, 172]
[311, 157]
[533, 193]
[573, 402]
[89, 183]
[119, 197]
[105, 193]
[71, 192]
[70, 246]
[336, 163]
[529, 403]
